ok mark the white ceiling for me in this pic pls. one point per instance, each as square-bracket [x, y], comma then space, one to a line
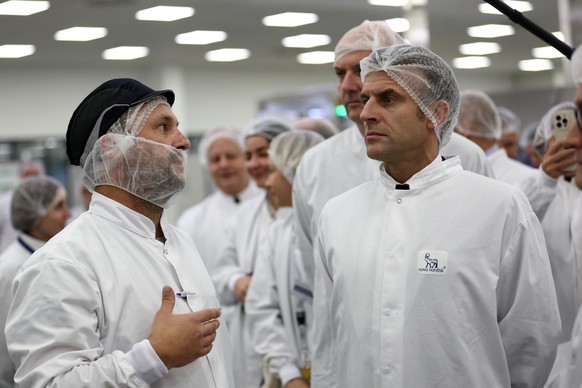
[241, 19]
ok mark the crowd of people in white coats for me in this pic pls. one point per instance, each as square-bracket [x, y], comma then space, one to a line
[419, 247]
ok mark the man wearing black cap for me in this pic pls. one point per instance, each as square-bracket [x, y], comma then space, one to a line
[86, 307]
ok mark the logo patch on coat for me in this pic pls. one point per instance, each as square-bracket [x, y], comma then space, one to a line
[432, 262]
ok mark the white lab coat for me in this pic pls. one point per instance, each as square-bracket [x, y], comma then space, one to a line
[7, 232]
[205, 222]
[509, 170]
[447, 284]
[572, 369]
[84, 305]
[244, 232]
[276, 294]
[336, 165]
[10, 261]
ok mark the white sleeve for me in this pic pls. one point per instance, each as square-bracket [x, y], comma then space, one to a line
[53, 333]
[528, 315]
[228, 268]
[303, 215]
[323, 350]
[265, 315]
[540, 190]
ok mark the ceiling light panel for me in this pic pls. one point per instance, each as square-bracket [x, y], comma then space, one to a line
[546, 52]
[535, 65]
[389, 3]
[227, 55]
[16, 50]
[81, 34]
[125, 53]
[471, 62]
[479, 48]
[164, 13]
[290, 19]
[521, 6]
[23, 8]
[398, 24]
[306, 40]
[316, 57]
[201, 37]
[490, 31]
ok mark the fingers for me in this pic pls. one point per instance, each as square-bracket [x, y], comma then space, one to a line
[168, 300]
[207, 315]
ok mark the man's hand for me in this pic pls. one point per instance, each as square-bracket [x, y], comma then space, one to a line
[297, 383]
[241, 287]
[179, 339]
[556, 159]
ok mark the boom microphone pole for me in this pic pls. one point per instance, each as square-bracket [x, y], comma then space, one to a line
[518, 18]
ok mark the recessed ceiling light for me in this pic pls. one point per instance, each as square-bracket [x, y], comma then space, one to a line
[16, 50]
[23, 8]
[200, 37]
[471, 62]
[306, 40]
[398, 24]
[389, 3]
[535, 65]
[163, 13]
[227, 55]
[125, 53]
[81, 34]
[490, 31]
[547, 52]
[521, 6]
[316, 57]
[559, 35]
[479, 48]
[290, 19]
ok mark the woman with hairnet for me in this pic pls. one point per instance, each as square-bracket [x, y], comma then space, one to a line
[244, 231]
[38, 211]
[277, 297]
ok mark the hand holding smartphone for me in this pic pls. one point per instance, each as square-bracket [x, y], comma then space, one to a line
[561, 123]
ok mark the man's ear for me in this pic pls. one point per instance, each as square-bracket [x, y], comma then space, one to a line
[440, 110]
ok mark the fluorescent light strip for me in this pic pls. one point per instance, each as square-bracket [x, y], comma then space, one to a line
[227, 55]
[490, 31]
[23, 8]
[535, 65]
[389, 3]
[546, 52]
[290, 19]
[200, 37]
[398, 24]
[125, 53]
[479, 48]
[81, 34]
[316, 57]
[471, 62]
[163, 13]
[306, 40]
[16, 50]
[521, 6]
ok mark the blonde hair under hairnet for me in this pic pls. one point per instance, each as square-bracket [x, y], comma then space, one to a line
[287, 149]
[425, 76]
[544, 130]
[366, 37]
[32, 200]
[478, 115]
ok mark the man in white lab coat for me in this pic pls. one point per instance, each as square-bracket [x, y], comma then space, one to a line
[87, 310]
[38, 211]
[435, 276]
[320, 176]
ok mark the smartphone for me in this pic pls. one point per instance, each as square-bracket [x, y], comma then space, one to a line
[561, 123]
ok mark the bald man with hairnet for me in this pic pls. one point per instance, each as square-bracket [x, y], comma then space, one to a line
[120, 298]
[435, 276]
[38, 211]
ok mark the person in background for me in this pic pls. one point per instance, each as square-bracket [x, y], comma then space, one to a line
[323, 127]
[26, 169]
[85, 194]
[221, 152]
[86, 308]
[276, 300]
[244, 232]
[510, 125]
[38, 211]
[526, 143]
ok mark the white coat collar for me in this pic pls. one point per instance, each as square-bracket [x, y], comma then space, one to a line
[32, 242]
[125, 217]
[249, 192]
[437, 171]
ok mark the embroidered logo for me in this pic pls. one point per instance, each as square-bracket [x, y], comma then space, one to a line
[432, 262]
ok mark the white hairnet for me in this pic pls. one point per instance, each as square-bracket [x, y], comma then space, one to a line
[510, 122]
[267, 127]
[478, 115]
[366, 37]
[527, 134]
[32, 200]
[544, 130]
[425, 76]
[576, 65]
[323, 127]
[286, 150]
[149, 170]
[226, 133]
